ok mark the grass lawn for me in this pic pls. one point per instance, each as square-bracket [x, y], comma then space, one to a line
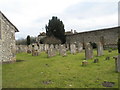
[59, 72]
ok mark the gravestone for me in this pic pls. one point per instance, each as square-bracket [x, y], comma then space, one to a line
[57, 47]
[41, 47]
[99, 49]
[34, 50]
[62, 50]
[96, 60]
[80, 47]
[88, 51]
[73, 49]
[117, 63]
[46, 47]
[67, 47]
[51, 51]
[29, 49]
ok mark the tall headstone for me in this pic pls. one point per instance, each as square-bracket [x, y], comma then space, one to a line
[88, 51]
[117, 63]
[46, 47]
[62, 50]
[99, 49]
[72, 48]
[80, 47]
[51, 51]
[41, 47]
[67, 47]
[57, 47]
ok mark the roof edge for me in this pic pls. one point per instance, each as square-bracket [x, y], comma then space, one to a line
[16, 30]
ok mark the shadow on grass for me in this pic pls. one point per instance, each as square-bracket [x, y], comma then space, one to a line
[20, 60]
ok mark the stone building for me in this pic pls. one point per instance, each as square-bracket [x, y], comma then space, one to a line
[107, 36]
[7, 40]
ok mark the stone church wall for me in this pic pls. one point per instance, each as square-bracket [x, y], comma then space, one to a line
[7, 40]
[106, 36]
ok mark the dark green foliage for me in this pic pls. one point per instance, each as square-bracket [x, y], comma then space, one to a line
[119, 45]
[93, 45]
[55, 28]
[28, 40]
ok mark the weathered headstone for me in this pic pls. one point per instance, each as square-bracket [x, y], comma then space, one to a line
[57, 47]
[41, 47]
[80, 47]
[88, 51]
[29, 49]
[117, 63]
[73, 49]
[46, 47]
[99, 49]
[34, 50]
[51, 51]
[67, 47]
[62, 50]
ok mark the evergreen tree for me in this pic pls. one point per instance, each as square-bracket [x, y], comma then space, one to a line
[56, 28]
[28, 40]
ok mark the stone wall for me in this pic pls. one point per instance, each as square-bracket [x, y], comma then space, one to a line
[7, 39]
[106, 36]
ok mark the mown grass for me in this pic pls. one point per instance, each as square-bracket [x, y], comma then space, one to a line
[59, 72]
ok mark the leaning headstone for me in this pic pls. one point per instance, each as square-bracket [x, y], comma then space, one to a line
[80, 47]
[73, 49]
[88, 51]
[99, 49]
[62, 50]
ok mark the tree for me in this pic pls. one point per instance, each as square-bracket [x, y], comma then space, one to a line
[55, 28]
[28, 40]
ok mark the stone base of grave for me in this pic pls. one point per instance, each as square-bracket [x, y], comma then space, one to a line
[35, 53]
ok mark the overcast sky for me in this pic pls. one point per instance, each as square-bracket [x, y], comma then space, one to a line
[31, 16]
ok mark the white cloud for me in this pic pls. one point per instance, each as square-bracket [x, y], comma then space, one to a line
[30, 16]
[92, 23]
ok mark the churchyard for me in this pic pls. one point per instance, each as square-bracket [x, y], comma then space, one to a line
[62, 70]
[75, 64]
